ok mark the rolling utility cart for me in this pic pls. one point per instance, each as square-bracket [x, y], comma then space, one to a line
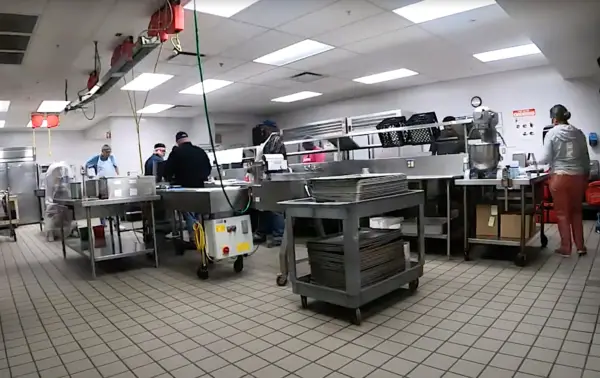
[359, 265]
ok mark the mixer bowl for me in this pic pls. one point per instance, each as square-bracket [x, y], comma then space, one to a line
[485, 156]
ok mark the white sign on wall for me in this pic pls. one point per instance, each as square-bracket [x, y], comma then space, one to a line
[524, 124]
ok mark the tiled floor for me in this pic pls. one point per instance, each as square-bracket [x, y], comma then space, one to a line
[486, 319]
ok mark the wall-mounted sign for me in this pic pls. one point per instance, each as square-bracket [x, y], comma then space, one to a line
[524, 113]
[524, 121]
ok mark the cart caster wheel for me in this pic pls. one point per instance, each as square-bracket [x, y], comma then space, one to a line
[413, 285]
[238, 265]
[304, 301]
[521, 260]
[281, 280]
[544, 241]
[202, 273]
[357, 317]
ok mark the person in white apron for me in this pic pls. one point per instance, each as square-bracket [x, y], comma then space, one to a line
[102, 165]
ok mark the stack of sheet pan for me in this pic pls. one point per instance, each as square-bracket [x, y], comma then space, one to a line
[381, 256]
[358, 187]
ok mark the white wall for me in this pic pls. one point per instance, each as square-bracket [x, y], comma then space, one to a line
[70, 146]
[538, 88]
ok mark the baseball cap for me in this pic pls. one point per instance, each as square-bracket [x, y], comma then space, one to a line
[180, 135]
[159, 145]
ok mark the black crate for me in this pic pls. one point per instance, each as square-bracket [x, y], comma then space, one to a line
[393, 138]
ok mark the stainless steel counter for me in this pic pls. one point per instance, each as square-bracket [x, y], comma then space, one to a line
[106, 202]
[518, 182]
[205, 200]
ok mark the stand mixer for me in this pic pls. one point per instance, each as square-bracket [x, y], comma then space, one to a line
[484, 155]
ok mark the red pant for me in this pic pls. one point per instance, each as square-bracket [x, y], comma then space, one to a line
[567, 195]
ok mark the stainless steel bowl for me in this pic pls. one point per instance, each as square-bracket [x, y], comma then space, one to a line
[485, 156]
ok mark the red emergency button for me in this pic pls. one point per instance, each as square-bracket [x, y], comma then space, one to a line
[225, 250]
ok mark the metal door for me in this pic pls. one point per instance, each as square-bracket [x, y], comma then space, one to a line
[22, 178]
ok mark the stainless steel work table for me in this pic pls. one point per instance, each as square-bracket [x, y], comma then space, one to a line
[448, 182]
[350, 213]
[521, 184]
[103, 208]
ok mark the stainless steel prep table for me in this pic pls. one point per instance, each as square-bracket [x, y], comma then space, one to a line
[97, 208]
[350, 213]
[523, 185]
[448, 181]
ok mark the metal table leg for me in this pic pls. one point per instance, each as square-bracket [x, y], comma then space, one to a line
[283, 258]
[465, 224]
[521, 258]
[291, 258]
[448, 219]
[352, 261]
[153, 226]
[88, 218]
[62, 240]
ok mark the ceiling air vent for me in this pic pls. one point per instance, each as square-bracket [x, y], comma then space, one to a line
[15, 32]
[307, 77]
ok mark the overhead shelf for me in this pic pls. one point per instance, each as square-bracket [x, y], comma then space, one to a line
[141, 49]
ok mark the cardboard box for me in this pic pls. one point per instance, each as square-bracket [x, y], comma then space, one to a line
[487, 220]
[510, 226]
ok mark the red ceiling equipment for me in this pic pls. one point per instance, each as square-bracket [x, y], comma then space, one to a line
[52, 120]
[166, 21]
[38, 119]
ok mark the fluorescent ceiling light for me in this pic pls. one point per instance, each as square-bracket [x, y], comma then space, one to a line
[44, 124]
[2, 123]
[511, 52]
[386, 76]
[155, 108]
[4, 105]
[52, 106]
[146, 82]
[294, 52]
[297, 96]
[209, 85]
[222, 8]
[428, 10]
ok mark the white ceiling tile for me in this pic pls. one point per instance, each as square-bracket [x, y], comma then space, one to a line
[467, 21]
[329, 18]
[389, 40]
[262, 44]
[245, 71]
[393, 4]
[278, 77]
[218, 65]
[271, 13]
[332, 84]
[227, 34]
[328, 58]
[364, 29]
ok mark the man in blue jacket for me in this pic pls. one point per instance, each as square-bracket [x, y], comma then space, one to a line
[157, 157]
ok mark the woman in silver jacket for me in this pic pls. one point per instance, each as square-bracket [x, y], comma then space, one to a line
[565, 150]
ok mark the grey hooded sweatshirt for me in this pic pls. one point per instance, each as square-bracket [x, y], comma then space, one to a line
[565, 150]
